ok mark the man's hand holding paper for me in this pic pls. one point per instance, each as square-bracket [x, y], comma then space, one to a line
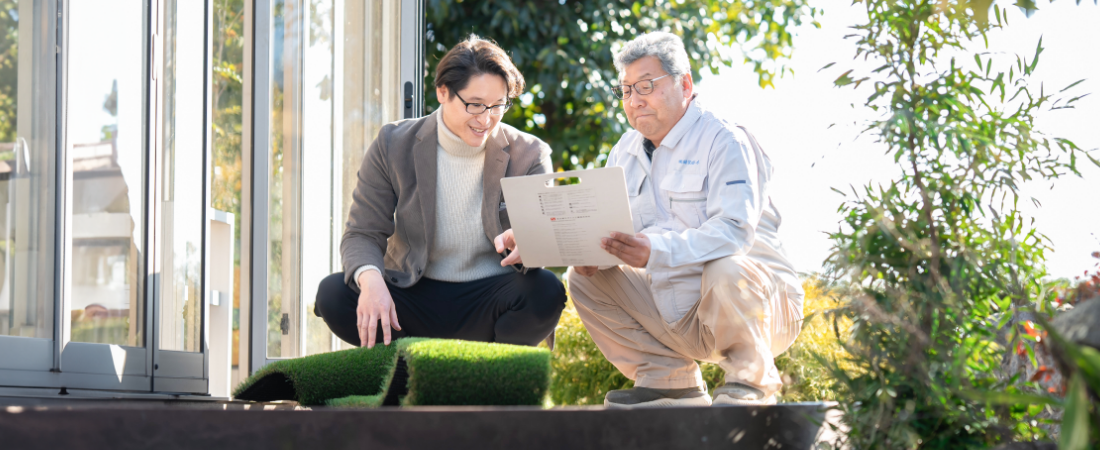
[632, 249]
[565, 225]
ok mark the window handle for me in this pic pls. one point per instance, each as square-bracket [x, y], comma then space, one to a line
[408, 100]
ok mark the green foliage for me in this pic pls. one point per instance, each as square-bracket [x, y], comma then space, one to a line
[1080, 427]
[928, 260]
[9, 73]
[1081, 420]
[564, 50]
[227, 95]
[441, 372]
[580, 374]
[805, 377]
[113, 330]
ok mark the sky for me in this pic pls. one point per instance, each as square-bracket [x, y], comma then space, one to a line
[792, 123]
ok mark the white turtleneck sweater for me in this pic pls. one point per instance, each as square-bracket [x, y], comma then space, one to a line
[460, 251]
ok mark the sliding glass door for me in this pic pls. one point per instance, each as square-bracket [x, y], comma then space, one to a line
[113, 266]
[327, 75]
[28, 179]
[103, 243]
[181, 190]
[135, 195]
[103, 178]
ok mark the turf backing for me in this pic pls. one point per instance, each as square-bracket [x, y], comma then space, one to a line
[411, 371]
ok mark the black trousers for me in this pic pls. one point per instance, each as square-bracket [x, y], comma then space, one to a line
[511, 308]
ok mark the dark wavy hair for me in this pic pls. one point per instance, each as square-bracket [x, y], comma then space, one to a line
[476, 56]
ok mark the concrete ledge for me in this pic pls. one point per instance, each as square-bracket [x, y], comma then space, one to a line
[786, 426]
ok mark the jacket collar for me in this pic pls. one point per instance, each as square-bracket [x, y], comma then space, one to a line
[426, 157]
[496, 165]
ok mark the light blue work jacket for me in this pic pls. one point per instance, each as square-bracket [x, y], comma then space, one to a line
[703, 197]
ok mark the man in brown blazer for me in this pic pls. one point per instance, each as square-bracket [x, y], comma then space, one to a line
[424, 251]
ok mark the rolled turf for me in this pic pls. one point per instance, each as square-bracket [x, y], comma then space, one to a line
[411, 371]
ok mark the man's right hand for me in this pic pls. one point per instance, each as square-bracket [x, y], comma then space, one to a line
[586, 270]
[375, 304]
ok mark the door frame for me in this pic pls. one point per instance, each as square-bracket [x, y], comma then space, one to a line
[86, 365]
[144, 369]
[180, 371]
[27, 361]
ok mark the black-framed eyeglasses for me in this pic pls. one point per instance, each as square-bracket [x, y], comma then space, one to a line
[643, 87]
[480, 108]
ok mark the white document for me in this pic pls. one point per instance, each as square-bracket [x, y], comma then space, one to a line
[559, 226]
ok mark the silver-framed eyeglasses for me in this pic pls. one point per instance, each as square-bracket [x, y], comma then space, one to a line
[643, 87]
[480, 108]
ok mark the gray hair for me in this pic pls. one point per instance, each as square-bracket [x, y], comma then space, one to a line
[666, 47]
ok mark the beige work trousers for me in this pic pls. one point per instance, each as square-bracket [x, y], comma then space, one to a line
[746, 316]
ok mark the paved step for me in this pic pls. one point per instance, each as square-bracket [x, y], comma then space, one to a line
[786, 426]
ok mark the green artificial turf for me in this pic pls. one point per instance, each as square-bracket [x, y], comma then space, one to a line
[411, 371]
[356, 401]
[446, 372]
[313, 379]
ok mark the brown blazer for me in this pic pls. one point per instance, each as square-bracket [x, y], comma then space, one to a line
[392, 219]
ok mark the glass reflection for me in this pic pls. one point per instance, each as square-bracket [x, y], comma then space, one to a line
[104, 132]
[317, 220]
[182, 200]
[27, 168]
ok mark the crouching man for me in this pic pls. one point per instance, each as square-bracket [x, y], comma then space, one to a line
[418, 253]
[706, 277]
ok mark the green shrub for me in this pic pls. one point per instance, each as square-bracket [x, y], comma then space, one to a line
[938, 262]
[580, 375]
[805, 378]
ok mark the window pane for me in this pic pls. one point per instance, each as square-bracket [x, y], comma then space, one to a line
[104, 131]
[372, 74]
[182, 200]
[27, 168]
[335, 80]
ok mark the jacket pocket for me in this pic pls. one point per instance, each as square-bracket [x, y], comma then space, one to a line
[687, 198]
[638, 211]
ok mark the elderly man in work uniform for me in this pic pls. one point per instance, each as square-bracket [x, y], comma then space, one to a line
[706, 277]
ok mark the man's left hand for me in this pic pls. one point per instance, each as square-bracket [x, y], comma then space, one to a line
[633, 250]
[507, 241]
